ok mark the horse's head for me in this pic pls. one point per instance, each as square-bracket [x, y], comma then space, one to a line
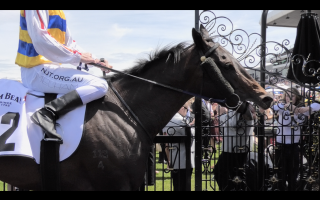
[242, 83]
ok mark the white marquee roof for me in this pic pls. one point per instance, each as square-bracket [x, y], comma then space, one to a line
[285, 18]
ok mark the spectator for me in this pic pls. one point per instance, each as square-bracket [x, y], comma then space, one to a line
[162, 156]
[214, 123]
[268, 121]
[218, 112]
[238, 127]
[287, 140]
[205, 122]
[177, 155]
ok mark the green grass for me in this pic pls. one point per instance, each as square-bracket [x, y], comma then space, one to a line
[1, 186]
[164, 182]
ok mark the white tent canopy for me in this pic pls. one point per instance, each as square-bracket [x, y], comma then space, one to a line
[285, 18]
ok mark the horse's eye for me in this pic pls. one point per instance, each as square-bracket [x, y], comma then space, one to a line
[223, 57]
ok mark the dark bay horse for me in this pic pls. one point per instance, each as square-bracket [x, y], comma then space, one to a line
[113, 151]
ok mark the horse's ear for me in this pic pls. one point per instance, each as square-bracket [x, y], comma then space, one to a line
[198, 40]
[204, 32]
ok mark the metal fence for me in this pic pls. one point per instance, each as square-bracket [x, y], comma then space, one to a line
[276, 151]
[229, 158]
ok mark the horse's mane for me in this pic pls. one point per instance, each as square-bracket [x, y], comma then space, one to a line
[171, 53]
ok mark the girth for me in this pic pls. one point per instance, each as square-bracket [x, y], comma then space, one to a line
[49, 160]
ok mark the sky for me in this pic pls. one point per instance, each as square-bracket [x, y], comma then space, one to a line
[123, 37]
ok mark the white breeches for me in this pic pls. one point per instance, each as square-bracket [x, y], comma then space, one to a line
[49, 78]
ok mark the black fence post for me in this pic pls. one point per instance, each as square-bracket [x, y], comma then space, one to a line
[198, 132]
[261, 134]
[188, 143]
[198, 146]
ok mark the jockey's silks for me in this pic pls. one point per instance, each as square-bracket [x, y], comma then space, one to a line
[27, 55]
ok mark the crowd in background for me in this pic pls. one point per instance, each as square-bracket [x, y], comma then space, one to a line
[222, 127]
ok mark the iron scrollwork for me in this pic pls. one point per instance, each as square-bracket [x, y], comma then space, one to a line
[248, 51]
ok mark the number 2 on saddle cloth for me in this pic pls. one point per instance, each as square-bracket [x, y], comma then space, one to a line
[6, 119]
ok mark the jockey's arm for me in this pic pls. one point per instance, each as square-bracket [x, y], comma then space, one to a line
[44, 44]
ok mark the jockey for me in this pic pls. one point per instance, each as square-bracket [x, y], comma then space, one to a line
[45, 43]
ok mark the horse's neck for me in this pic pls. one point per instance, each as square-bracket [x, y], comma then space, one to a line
[154, 105]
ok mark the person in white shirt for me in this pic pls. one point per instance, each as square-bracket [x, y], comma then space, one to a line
[177, 155]
[45, 42]
[237, 130]
[288, 136]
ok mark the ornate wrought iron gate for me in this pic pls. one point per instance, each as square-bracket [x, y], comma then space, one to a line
[265, 159]
[262, 162]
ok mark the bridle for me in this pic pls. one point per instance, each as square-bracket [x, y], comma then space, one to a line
[203, 57]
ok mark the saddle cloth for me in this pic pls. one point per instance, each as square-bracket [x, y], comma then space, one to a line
[19, 136]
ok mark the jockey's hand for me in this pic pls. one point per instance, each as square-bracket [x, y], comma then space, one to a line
[87, 58]
[105, 64]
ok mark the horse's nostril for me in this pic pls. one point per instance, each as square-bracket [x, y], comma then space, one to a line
[267, 100]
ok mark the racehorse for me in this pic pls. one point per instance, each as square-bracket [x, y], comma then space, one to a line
[113, 151]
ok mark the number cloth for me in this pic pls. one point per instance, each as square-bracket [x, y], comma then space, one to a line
[12, 101]
[19, 136]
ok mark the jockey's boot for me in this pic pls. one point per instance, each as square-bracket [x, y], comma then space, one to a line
[46, 117]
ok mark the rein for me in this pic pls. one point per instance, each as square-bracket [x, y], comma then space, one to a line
[203, 57]
[162, 85]
[129, 109]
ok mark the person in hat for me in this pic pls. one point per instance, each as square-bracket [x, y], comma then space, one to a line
[45, 42]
